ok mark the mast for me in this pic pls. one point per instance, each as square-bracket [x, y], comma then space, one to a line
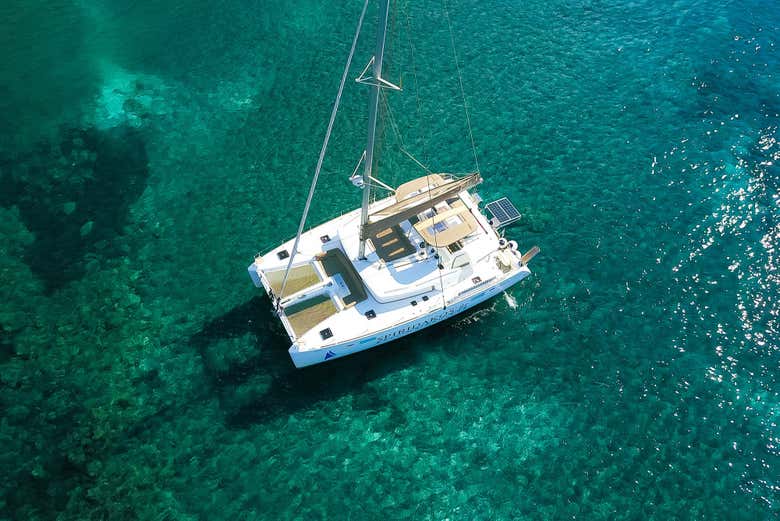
[373, 106]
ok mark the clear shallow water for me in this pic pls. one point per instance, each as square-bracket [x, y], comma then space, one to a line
[633, 376]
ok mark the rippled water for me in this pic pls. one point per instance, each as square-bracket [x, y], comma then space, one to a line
[152, 147]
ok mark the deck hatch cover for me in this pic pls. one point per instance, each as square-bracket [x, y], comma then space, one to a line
[503, 212]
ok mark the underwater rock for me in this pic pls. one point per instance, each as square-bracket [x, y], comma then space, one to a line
[18, 287]
[75, 194]
[127, 99]
[87, 228]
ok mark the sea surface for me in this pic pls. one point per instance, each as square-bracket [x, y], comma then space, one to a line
[148, 149]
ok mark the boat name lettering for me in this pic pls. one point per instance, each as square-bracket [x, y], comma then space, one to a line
[422, 323]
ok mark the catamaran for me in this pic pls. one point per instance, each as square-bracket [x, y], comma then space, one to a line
[397, 264]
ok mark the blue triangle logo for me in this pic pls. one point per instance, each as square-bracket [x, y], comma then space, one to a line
[329, 354]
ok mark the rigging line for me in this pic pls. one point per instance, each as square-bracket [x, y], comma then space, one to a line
[322, 154]
[390, 57]
[416, 84]
[397, 132]
[436, 246]
[391, 118]
[379, 184]
[409, 154]
[360, 162]
[460, 81]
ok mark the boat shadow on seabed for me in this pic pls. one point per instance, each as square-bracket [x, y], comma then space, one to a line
[265, 384]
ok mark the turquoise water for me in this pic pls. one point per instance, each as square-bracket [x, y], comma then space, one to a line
[149, 149]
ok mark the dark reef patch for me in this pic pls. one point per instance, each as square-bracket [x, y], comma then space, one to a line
[75, 196]
[51, 445]
[6, 345]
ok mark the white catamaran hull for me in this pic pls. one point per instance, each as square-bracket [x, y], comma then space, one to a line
[397, 264]
[311, 357]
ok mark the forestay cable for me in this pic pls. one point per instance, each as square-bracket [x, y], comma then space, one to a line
[322, 154]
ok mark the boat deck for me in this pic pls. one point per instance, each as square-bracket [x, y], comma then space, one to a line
[303, 316]
[392, 244]
[335, 262]
[301, 277]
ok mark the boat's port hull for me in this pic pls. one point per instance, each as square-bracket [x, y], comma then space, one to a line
[316, 356]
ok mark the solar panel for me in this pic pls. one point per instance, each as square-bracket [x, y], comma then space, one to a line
[503, 212]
